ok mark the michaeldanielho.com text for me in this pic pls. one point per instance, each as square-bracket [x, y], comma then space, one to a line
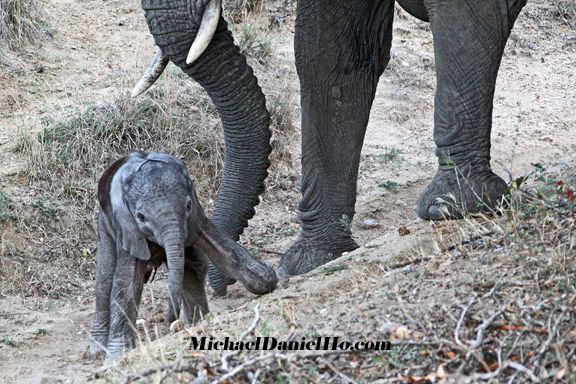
[268, 343]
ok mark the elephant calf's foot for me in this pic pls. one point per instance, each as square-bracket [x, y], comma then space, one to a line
[452, 194]
[99, 337]
[97, 348]
[307, 254]
[116, 347]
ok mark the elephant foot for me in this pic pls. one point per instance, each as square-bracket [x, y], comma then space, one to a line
[116, 347]
[452, 194]
[97, 348]
[99, 340]
[307, 254]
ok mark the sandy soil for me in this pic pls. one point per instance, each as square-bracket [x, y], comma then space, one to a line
[101, 47]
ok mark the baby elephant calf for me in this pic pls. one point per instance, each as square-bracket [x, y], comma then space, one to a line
[149, 214]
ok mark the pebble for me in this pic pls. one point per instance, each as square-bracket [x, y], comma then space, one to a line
[369, 223]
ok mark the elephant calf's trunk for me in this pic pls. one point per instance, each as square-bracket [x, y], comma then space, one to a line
[175, 258]
[235, 260]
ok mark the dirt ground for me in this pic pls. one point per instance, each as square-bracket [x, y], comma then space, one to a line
[100, 48]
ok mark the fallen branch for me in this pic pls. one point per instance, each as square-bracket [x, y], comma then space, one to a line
[461, 320]
[255, 321]
[554, 329]
[521, 328]
[482, 328]
[279, 356]
[166, 369]
[343, 376]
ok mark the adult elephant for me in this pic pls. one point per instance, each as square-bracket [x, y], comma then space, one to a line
[342, 47]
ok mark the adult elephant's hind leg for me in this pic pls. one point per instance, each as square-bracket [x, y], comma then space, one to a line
[342, 48]
[469, 39]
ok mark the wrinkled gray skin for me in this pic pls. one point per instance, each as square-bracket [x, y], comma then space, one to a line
[222, 71]
[149, 214]
[338, 79]
[342, 48]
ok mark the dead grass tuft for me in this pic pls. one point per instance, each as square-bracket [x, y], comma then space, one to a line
[75, 146]
[22, 22]
[254, 42]
[238, 10]
[283, 173]
[566, 10]
[4, 207]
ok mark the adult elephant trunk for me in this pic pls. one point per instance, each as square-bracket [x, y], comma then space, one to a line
[234, 90]
[173, 241]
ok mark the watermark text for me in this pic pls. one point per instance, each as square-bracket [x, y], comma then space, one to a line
[268, 343]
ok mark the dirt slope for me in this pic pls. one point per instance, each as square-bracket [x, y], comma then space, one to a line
[99, 49]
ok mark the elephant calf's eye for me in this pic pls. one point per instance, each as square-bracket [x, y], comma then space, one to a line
[141, 217]
[189, 207]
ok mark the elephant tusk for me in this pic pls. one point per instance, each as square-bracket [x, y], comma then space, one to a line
[152, 74]
[210, 20]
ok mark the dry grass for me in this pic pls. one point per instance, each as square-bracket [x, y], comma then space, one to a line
[238, 10]
[516, 322]
[22, 22]
[284, 169]
[72, 150]
[566, 11]
[4, 207]
[494, 302]
[254, 42]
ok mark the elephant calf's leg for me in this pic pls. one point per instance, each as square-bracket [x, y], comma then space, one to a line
[195, 302]
[105, 266]
[126, 294]
[342, 48]
[469, 39]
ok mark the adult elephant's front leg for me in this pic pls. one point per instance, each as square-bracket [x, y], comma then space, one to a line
[342, 48]
[469, 39]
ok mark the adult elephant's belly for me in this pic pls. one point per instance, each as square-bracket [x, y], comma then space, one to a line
[416, 8]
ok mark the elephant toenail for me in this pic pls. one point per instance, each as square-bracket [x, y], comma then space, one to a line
[281, 272]
[435, 212]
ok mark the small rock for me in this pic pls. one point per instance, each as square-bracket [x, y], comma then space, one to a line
[141, 323]
[369, 223]
[49, 380]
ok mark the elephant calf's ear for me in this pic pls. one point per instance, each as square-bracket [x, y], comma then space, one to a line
[105, 184]
[128, 234]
